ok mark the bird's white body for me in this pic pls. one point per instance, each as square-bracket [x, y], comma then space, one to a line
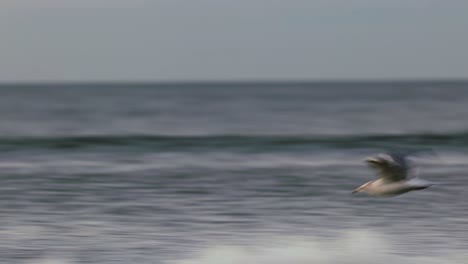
[380, 187]
[393, 177]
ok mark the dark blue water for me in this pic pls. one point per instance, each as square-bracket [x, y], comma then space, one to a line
[229, 173]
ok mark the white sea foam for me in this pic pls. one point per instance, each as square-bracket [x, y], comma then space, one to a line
[356, 247]
[353, 247]
[49, 261]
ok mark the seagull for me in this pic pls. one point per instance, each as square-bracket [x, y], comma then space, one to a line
[393, 170]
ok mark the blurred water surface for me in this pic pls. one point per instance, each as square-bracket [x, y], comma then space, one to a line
[212, 173]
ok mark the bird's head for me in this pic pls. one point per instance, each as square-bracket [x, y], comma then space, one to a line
[363, 188]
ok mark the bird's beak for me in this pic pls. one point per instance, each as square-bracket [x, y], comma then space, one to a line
[357, 190]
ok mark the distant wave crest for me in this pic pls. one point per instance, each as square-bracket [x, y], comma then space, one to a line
[239, 142]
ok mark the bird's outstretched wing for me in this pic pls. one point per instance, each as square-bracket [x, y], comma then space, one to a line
[392, 166]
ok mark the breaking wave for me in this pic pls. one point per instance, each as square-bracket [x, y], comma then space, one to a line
[355, 247]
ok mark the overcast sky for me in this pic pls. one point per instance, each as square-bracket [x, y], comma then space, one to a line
[183, 40]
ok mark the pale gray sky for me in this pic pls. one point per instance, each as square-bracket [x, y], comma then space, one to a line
[182, 40]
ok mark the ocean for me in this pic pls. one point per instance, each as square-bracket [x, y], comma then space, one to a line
[229, 173]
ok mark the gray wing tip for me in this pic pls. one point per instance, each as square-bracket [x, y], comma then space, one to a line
[388, 157]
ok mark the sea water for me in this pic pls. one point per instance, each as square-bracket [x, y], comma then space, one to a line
[229, 173]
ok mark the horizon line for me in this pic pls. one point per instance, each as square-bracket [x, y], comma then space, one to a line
[234, 82]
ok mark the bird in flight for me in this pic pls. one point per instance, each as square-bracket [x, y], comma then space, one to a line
[393, 170]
